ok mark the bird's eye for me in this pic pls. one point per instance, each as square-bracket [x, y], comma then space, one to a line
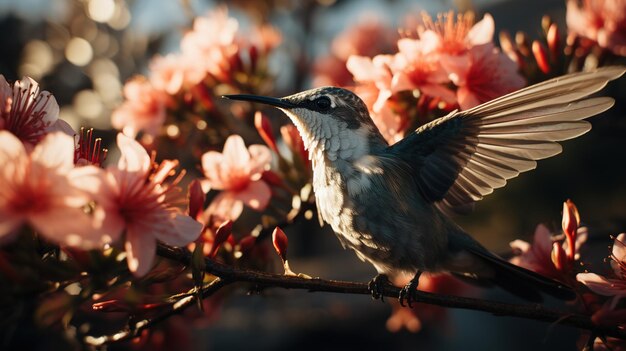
[323, 103]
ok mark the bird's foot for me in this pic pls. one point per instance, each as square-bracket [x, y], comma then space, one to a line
[408, 292]
[376, 286]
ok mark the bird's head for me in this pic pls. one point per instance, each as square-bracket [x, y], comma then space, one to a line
[332, 121]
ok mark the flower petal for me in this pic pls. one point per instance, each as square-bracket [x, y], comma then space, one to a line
[55, 151]
[61, 126]
[134, 157]
[5, 92]
[184, 230]
[482, 32]
[619, 247]
[601, 285]
[361, 68]
[212, 163]
[256, 196]
[140, 249]
[619, 253]
[542, 240]
[260, 158]
[467, 99]
[225, 206]
[11, 148]
[69, 226]
[235, 152]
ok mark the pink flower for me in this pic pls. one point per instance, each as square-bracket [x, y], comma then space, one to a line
[173, 73]
[135, 199]
[418, 67]
[212, 31]
[536, 257]
[211, 42]
[375, 88]
[455, 35]
[542, 255]
[143, 110]
[27, 112]
[490, 74]
[615, 287]
[214, 47]
[237, 172]
[467, 54]
[40, 189]
[603, 21]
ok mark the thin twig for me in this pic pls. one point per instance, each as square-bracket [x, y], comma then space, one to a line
[144, 324]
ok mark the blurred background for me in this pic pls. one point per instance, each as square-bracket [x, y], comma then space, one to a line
[83, 51]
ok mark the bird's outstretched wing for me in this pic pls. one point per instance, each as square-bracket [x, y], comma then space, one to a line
[459, 158]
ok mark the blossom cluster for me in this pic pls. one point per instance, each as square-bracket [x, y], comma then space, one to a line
[74, 203]
[452, 63]
[214, 55]
[558, 257]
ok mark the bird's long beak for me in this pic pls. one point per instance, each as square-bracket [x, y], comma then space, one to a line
[281, 103]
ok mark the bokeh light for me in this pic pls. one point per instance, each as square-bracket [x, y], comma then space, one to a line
[79, 51]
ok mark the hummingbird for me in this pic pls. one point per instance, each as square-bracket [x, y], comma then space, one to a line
[393, 204]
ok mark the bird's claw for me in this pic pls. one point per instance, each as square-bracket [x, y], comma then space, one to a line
[376, 286]
[409, 291]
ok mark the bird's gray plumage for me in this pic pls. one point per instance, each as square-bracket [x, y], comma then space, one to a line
[390, 204]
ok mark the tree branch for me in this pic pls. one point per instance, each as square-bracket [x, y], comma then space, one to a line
[528, 311]
[138, 327]
[228, 275]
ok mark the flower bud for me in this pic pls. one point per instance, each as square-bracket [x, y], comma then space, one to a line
[546, 22]
[279, 239]
[554, 41]
[521, 39]
[246, 243]
[570, 223]
[541, 57]
[264, 127]
[221, 235]
[196, 199]
[558, 256]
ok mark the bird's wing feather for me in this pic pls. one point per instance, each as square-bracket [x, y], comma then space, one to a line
[460, 158]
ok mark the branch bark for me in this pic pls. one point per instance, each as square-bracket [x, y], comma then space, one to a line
[228, 275]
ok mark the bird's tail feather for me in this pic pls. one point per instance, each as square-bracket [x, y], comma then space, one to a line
[522, 282]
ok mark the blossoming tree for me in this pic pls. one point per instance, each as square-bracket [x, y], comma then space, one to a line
[121, 244]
